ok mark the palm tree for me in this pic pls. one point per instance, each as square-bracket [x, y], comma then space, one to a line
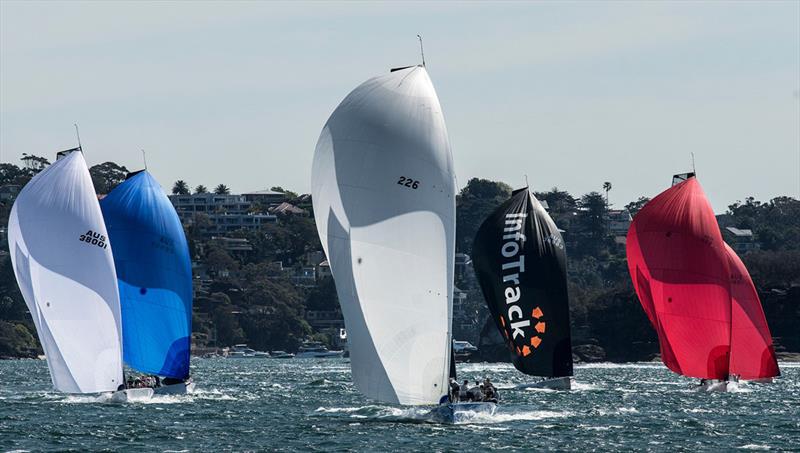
[222, 189]
[607, 188]
[200, 189]
[180, 188]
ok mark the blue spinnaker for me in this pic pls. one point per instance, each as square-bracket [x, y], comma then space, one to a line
[155, 276]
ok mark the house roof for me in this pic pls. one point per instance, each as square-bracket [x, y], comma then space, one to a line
[287, 208]
[740, 233]
[264, 192]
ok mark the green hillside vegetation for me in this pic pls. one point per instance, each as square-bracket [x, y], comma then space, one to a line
[251, 296]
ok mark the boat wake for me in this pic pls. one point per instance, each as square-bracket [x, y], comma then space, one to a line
[610, 365]
[375, 413]
[106, 398]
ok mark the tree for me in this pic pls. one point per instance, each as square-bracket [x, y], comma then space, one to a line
[475, 202]
[561, 206]
[200, 189]
[11, 174]
[774, 223]
[229, 331]
[222, 189]
[558, 201]
[635, 206]
[289, 194]
[218, 260]
[323, 296]
[34, 163]
[180, 188]
[287, 241]
[607, 188]
[106, 176]
[592, 224]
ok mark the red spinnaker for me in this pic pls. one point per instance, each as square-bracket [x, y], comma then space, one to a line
[684, 276]
[752, 354]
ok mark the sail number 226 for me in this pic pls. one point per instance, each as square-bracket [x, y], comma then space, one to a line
[408, 182]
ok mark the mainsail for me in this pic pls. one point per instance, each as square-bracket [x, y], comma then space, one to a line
[384, 203]
[695, 290]
[520, 262]
[155, 276]
[63, 264]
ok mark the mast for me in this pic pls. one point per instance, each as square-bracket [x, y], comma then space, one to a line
[421, 50]
[78, 134]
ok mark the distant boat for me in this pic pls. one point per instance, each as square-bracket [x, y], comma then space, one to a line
[154, 274]
[241, 351]
[696, 291]
[316, 351]
[384, 202]
[65, 270]
[462, 350]
[520, 261]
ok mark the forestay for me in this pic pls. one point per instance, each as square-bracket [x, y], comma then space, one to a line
[384, 202]
[155, 276]
[63, 264]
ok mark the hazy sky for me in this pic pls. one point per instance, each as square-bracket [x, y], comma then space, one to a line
[571, 94]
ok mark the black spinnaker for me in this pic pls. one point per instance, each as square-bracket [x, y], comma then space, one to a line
[520, 262]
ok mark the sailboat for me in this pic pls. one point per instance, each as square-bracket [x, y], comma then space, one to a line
[154, 274]
[520, 261]
[696, 291]
[64, 267]
[384, 203]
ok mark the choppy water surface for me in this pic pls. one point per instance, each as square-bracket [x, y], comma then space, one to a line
[311, 405]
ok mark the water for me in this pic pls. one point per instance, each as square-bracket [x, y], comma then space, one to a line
[311, 405]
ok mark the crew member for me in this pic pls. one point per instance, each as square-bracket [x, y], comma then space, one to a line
[455, 390]
[464, 393]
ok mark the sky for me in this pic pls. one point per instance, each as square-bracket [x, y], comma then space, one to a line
[571, 94]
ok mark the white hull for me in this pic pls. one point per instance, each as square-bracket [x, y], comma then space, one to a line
[718, 386]
[461, 412]
[560, 383]
[768, 380]
[132, 395]
[175, 389]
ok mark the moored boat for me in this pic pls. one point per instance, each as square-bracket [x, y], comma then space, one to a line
[242, 351]
[316, 351]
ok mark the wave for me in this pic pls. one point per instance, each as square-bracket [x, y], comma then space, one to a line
[425, 415]
[611, 365]
[755, 447]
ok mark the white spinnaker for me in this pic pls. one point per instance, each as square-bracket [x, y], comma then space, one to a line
[390, 245]
[69, 285]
